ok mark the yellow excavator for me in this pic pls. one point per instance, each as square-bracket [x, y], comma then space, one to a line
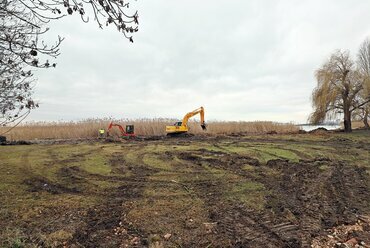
[182, 126]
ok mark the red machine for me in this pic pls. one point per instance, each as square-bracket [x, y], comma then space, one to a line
[129, 132]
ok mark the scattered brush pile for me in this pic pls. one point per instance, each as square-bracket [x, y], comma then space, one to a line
[143, 127]
[355, 235]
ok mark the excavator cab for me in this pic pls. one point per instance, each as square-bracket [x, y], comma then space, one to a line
[178, 124]
[130, 129]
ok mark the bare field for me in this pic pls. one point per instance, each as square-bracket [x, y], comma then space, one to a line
[143, 127]
[202, 191]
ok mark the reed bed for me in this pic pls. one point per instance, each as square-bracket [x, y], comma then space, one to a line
[143, 127]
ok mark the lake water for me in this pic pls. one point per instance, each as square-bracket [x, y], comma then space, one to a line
[308, 128]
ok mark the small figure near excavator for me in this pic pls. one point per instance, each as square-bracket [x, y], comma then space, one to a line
[101, 133]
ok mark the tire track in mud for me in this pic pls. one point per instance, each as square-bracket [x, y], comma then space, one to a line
[173, 212]
[300, 204]
[72, 158]
[104, 219]
[300, 154]
[37, 183]
[307, 201]
[68, 180]
[316, 200]
[236, 225]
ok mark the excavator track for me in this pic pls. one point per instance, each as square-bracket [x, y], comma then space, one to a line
[184, 135]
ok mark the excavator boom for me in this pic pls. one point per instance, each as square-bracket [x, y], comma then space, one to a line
[191, 114]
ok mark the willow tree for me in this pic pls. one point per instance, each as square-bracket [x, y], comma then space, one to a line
[339, 90]
[363, 61]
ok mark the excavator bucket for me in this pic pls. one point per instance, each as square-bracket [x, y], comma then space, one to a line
[204, 126]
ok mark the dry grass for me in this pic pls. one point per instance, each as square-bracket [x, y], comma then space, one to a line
[256, 127]
[356, 124]
[143, 127]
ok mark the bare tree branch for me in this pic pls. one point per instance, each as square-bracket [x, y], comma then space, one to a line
[22, 26]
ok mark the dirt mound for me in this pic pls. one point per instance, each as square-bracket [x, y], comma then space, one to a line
[271, 132]
[12, 143]
[319, 130]
[151, 138]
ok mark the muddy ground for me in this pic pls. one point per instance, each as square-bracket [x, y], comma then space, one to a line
[242, 191]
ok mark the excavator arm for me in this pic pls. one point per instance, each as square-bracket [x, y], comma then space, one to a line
[111, 125]
[191, 114]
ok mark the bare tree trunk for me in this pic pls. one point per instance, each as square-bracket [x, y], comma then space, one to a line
[365, 119]
[347, 120]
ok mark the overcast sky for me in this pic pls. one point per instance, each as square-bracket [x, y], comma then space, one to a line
[241, 60]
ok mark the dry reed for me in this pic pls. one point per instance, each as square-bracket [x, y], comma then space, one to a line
[143, 127]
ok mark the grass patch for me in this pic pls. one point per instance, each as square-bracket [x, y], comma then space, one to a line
[12, 238]
[324, 167]
[216, 173]
[152, 160]
[249, 168]
[96, 164]
[250, 193]
[272, 152]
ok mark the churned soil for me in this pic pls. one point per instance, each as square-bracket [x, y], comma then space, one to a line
[205, 192]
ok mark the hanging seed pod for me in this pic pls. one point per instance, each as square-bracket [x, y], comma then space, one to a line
[33, 52]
